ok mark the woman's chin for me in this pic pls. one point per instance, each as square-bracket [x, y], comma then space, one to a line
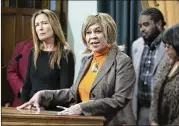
[96, 50]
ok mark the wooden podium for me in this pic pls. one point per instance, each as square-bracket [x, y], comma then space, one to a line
[13, 117]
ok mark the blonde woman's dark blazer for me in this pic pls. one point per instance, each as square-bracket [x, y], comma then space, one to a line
[110, 92]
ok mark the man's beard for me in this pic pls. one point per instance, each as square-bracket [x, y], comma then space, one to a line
[152, 37]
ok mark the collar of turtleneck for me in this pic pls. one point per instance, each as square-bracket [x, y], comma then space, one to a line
[102, 53]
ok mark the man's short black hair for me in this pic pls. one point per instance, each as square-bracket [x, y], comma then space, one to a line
[156, 15]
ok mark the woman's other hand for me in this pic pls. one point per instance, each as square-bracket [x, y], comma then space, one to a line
[73, 110]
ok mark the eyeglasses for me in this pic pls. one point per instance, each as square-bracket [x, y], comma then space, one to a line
[167, 46]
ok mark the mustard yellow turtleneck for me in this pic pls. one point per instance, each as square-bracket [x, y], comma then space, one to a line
[87, 81]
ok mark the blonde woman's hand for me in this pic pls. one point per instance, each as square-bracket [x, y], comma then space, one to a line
[33, 102]
[32, 107]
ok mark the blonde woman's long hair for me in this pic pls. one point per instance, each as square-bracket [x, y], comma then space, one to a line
[58, 37]
[108, 26]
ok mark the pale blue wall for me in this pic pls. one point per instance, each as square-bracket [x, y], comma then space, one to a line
[52, 4]
[77, 12]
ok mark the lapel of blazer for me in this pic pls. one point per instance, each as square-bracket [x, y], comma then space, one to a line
[164, 70]
[138, 50]
[106, 66]
[138, 56]
[83, 70]
[175, 73]
[160, 53]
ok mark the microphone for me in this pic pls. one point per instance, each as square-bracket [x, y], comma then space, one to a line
[17, 57]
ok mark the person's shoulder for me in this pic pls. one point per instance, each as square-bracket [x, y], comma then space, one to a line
[87, 56]
[122, 59]
[23, 43]
[32, 50]
[138, 41]
[66, 50]
[31, 53]
[161, 46]
[120, 55]
[28, 43]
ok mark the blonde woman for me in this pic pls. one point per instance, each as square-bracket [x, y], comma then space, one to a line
[51, 61]
[105, 80]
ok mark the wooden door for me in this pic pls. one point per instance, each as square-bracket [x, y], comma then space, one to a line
[8, 38]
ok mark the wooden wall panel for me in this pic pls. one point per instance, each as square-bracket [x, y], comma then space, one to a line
[8, 35]
[24, 24]
[26, 27]
[8, 38]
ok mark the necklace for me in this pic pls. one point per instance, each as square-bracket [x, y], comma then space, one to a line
[98, 59]
[95, 67]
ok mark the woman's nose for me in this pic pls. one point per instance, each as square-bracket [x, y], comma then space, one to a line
[93, 35]
[41, 27]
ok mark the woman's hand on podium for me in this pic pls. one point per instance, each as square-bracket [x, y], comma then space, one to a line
[32, 107]
[33, 102]
[73, 110]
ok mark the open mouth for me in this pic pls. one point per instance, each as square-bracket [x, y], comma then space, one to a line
[94, 43]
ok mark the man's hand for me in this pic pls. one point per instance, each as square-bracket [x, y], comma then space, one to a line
[73, 110]
[33, 102]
